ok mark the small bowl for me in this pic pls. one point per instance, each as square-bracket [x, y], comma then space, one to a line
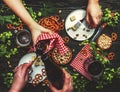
[23, 38]
[94, 68]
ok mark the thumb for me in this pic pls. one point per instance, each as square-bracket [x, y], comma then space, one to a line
[26, 66]
[47, 31]
[53, 89]
[29, 64]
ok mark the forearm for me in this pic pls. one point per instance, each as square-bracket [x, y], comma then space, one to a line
[18, 8]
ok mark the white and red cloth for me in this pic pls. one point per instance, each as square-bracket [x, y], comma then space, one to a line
[55, 41]
[79, 60]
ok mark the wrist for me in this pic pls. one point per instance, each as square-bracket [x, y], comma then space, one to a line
[13, 90]
[93, 1]
[33, 25]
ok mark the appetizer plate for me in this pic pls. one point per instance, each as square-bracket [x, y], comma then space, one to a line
[35, 70]
[77, 27]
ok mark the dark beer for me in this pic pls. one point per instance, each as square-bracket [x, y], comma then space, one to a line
[95, 69]
[54, 72]
[23, 38]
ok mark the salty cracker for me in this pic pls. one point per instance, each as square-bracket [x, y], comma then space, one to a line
[104, 42]
[61, 59]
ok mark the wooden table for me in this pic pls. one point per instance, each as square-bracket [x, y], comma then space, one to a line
[66, 7]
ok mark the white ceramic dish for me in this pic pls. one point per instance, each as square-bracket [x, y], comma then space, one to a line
[35, 69]
[81, 31]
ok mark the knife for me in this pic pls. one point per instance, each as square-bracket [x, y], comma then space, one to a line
[99, 31]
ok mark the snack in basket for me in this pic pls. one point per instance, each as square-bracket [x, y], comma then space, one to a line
[66, 39]
[104, 42]
[61, 59]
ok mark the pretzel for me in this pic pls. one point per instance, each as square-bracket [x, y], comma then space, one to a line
[35, 82]
[84, 52]
[52, 23]
[46, 82]
[29, 78]
[37, 79]
[114, 36]
[38, 76]
[66, 39]
[19, 27]
[11, 26]
[111, 55]
[43, 72]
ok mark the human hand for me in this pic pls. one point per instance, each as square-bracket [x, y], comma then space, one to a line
[36, 30]
[68, 84]
[20, 77]
[93, 13]
[24, 15]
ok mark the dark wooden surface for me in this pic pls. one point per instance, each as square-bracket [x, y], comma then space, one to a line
[67, 6]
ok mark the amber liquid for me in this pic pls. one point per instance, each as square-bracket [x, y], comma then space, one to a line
[54, 72]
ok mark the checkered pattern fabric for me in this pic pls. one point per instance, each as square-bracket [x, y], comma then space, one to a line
[55, 41]
[79, 60]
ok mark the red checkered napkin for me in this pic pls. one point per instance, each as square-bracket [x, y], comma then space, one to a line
[78, 62]
[55, 41]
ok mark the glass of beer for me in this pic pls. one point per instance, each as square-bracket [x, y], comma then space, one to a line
[94, 68]
[23, 38]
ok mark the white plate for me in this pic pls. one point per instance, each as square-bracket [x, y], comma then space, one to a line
[82, 31]
[35, 69]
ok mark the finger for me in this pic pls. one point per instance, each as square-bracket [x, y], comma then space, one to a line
[53, 89]
[28, 65]
[67, 78]
[71, 83]
[18, 68]
[43, 29]
[96, 21]
[15, 69]
[26, 75]
[68, 83]
[87, 19]
[25, 67]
